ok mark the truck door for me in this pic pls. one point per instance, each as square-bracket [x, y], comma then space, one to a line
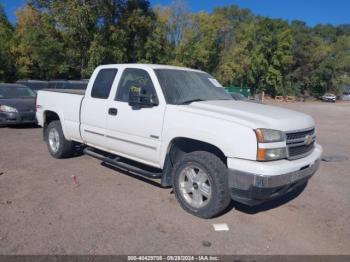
[136, 133]
[95, 106]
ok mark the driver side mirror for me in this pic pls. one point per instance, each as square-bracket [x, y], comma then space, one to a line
[139, 98]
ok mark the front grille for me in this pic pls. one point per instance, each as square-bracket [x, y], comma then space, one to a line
[301, 134]
[300, 143]
[300, 150]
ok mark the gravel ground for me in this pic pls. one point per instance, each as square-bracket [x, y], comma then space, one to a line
[42, 210]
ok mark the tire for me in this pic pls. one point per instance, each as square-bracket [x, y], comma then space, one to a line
[209, 172]
[57, 144]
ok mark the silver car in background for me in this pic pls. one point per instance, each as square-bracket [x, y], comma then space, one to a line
[329, 97]
[345, 96]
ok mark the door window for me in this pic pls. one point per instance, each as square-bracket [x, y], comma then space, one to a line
[103, 83]
[133, 77]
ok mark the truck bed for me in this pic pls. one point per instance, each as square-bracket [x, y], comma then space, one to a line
[64, 102]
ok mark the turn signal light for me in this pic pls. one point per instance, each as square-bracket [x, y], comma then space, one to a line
[261, 154]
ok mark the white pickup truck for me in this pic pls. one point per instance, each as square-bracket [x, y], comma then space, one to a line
[179, 125]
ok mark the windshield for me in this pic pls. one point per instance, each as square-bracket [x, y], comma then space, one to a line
[16, 92]
[181, 86]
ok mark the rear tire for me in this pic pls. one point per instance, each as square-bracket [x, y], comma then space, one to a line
[201, 185]
[57, 144]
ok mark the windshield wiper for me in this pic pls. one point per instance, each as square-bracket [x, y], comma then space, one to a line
[191, 101]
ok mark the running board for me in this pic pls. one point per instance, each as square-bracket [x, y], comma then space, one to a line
[118, 163]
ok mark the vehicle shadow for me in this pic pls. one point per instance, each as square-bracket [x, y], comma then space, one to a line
[78, 150]
[23, 126]
[274, 203]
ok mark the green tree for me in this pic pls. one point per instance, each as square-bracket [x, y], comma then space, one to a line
[178, 20]
[333, 70]
[279, 56]
[137, 23]
[38, 46]
[260, 56]
[157, 47]
[7, 61]
[127, 32]
[236, 62]
[321, 58]
[341, 50]
[234, 17]
[109, 41]
[199, 46]
[77, 21]
[69, 38]
[309, 51]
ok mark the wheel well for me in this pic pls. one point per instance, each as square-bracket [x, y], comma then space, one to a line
[182, 145]
[49, 116]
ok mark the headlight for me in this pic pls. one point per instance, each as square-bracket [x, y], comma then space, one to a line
[269, 135]
[8, 109]
[268, 154]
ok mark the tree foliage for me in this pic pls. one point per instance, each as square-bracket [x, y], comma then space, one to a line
[7, 61]
[69, 38]
[38, 47]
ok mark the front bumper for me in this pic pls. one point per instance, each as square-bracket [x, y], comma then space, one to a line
[7, 118]
[270, 179]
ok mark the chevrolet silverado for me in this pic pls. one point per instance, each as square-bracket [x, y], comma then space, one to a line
[179, 125]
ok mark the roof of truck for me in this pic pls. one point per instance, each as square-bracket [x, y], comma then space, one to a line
[153, 66]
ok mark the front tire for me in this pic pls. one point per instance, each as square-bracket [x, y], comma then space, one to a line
[200, 184]
[57, 144]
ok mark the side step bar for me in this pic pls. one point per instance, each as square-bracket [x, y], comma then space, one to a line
[125, 166]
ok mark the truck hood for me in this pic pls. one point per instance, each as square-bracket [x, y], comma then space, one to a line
[253, 115]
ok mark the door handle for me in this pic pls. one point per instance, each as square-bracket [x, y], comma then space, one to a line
[113, 111]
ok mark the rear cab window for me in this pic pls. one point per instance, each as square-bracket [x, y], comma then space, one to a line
[103, 83]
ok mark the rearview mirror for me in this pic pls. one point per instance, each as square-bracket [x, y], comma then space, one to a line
[139, 98]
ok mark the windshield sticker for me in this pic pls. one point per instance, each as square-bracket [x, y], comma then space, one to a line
[215, 82]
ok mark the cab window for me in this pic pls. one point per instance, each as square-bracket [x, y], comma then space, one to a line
[103, 83]
[131, 78]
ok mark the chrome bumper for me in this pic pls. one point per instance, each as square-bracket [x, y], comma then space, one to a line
[244, 181]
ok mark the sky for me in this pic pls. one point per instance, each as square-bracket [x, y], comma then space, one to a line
[311, 11]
